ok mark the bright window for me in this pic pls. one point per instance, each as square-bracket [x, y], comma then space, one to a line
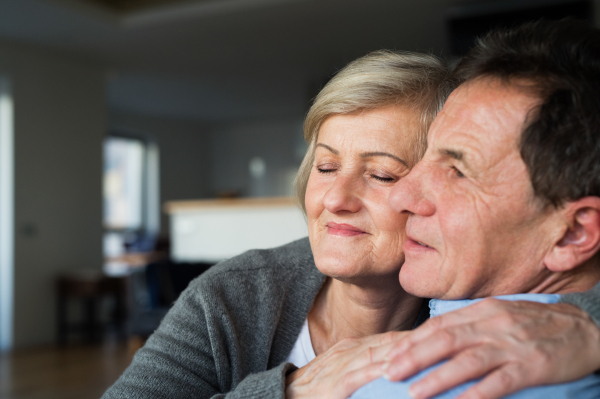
[6, 215]
[123, 183]
[131, 195]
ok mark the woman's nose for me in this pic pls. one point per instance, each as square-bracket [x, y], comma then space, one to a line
[410, 194]
[343, 195]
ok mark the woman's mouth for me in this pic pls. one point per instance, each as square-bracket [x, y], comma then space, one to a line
[343, 229]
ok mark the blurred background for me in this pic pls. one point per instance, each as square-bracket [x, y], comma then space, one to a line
[142, 141]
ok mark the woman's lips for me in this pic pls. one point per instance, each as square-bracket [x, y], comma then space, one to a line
[342, 229]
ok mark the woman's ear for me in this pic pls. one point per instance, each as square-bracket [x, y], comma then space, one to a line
[581, 241]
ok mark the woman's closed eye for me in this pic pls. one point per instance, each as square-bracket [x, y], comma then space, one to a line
[383, 178]
[327, 168]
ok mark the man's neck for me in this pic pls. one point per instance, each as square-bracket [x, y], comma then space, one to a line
[580, 279]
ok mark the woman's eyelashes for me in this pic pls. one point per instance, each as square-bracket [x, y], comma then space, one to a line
[383, 178]
[327, 168]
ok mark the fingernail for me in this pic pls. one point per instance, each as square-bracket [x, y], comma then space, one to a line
[415, 391]
[384, 368]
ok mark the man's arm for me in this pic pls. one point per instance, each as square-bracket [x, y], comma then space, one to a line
[588, 301]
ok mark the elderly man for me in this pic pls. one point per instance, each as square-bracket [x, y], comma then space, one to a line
[507, 197]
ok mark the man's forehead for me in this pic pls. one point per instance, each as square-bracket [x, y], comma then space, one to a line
[484, 109]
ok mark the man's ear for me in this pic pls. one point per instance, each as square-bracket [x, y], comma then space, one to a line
[581, 240]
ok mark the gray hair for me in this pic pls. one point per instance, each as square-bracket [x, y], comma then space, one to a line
[378, 79]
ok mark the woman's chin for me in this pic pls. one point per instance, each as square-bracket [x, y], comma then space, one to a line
[357, 274]
[339, 271]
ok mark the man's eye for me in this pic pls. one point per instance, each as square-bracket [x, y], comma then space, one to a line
[457, 172]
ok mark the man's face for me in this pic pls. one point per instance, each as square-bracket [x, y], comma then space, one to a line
[474, 227]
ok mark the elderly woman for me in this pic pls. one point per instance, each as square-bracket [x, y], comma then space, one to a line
[274, 323]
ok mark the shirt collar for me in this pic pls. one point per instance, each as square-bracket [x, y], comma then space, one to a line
[440, 306]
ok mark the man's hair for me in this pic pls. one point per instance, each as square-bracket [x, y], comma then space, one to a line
[560, 143]
[378, 79]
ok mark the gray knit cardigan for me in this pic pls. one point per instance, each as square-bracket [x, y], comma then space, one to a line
[232, 329]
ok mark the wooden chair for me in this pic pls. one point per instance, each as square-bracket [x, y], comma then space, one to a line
[90, 287]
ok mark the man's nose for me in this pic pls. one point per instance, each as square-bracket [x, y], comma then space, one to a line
[343, 195]
[409, 195]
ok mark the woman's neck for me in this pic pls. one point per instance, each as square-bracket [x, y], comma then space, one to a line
[344, 310]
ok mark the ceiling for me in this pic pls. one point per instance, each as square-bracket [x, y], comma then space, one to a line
[132, 5]
[215, 60]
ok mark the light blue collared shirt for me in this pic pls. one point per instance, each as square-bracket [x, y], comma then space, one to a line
[585, 388]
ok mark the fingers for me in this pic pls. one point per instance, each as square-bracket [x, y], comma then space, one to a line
[381, 353]
[357, 378]
[478, 312]
[380, 345]
[443, 336]
[340, 371]
[384, 338]
[466, 366]
[483, 310]
[498, 384]
[428, 352]
[431, 343]
[520, 344]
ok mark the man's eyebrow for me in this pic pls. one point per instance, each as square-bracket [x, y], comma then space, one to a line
[336, 152]
[455, 154]
[383, 154]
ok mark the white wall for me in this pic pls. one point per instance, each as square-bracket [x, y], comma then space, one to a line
[184, 155]
[60, 120]
[198, 160]
[278, 142]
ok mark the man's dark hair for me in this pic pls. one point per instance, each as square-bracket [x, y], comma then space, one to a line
[561, 142]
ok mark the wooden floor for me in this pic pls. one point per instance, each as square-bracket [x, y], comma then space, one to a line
[82, 372]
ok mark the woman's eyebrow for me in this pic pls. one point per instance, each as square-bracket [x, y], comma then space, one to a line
[383, 154]
[336, 152]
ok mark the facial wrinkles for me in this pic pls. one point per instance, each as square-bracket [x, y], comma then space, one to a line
[407, 124]
[478, 129]
[466, 125]
[352, 148]
[354, 177]
[347, 136]
[351, 164]
[377, 255]
[525, 219]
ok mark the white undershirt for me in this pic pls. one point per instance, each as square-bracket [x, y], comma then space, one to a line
[302, 352]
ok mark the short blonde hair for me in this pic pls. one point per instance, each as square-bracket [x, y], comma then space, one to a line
[378, 79]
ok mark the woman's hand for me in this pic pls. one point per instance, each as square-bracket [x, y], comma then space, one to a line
[513, 345]
[341, 370]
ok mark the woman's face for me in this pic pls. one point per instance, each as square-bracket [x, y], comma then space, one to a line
[353, 232]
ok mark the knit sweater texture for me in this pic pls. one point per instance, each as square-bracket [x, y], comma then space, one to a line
[231, 331]
[589, 301]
